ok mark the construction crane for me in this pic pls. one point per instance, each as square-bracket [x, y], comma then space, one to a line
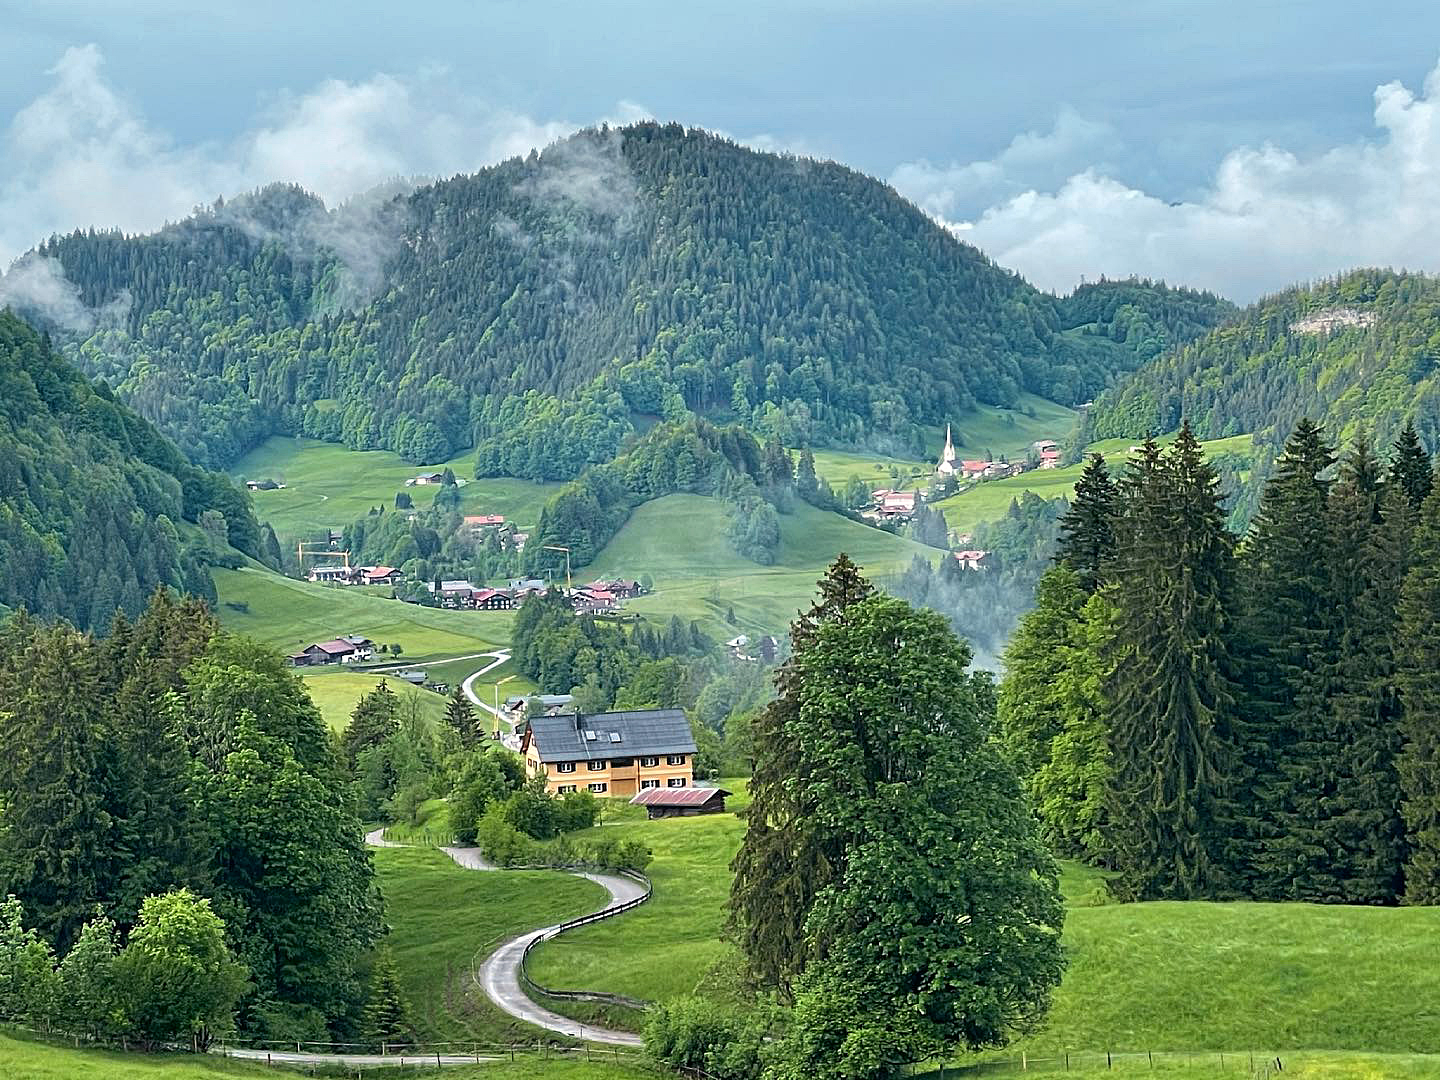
[319, 552]
[566, 550]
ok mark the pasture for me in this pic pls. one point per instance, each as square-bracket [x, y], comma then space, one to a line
[329, 486]
[679, 540]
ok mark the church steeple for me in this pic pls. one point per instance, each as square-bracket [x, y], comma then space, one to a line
[947, 456]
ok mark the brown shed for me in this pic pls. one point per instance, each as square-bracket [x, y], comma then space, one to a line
[681, 801]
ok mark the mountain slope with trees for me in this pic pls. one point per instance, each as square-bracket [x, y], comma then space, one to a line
[1357, 352]
[538, 308]
[93, 498]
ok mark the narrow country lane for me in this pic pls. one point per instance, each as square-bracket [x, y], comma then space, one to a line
[354, 1061]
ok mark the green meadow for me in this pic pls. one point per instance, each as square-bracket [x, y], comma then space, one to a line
[329, 486]
[445, 920]
[27, 1058]
[989, 500]
[985, 429]
[1156, 976]
[336, 692]
[290, 614]
[679, 540]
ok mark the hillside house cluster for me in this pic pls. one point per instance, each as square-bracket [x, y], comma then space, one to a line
[350, 649]
[610, 754]
[598, 597]
[356, 575]
[889, 505]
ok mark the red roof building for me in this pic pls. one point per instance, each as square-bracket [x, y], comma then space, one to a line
[660, 802]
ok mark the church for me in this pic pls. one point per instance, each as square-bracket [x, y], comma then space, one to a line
[947, 457]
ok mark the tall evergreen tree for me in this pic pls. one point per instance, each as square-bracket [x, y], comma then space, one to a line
[388, 1017]
[375, 718]
[1171, 692]
[461, 718]
[1410, 467]
[1087, 531]
[1289, 641]
[807, 486]
[1418, 676]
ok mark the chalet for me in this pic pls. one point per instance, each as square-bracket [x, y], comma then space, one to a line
[477, 524]
[452, 594]
[610, 754]
[415, 676]
[970, 469]
[520, 539]
[620, 588]
[898, 504]
[343, 650]
[1041, 445]
[737, 645]
[971, 560]
[426, 479]
[331, 575]
[997, 469]
[262, 485]
[492, 600]
[681, 802]
[591, 600]
[377, 575]
[1050, 459]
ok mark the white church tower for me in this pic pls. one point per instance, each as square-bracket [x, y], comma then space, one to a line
[947, 457]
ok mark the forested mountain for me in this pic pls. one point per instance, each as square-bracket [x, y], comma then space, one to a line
[537, 309]
[92, 496]
[1357, 351]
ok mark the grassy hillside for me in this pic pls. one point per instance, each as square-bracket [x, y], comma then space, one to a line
[290, 614]
[335, 694]
[445, 919]
[679, 540]
[329, 486]
[988, 501]
[1172, 976]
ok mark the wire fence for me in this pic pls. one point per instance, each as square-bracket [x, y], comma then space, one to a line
[1256, 1064]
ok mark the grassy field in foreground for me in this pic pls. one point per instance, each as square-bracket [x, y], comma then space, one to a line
[680, 542]
[329, 486]
[989, 501]
[1157, 976]
[290, 614]
[24, 1058]
[445, 919]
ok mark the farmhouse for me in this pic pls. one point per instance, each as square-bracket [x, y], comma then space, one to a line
[425, 479]
[620, 588]
[262, 485]
[491, 600]
[377, 575]
[610, 754]
[971, 560]
[477, 524]
[681, 802]
[590, 600]
[516, 706]
[332, 575]
[1050, 458]
[970, 469]
[353, 648]
[897, 504]
[452, 594]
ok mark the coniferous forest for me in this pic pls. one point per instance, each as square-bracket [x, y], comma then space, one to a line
[96, 507]
[534, 309]
[1214, 716]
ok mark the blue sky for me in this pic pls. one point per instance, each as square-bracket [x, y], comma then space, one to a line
[1236, 146]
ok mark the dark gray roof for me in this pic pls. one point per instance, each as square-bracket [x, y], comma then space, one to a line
[643, 733]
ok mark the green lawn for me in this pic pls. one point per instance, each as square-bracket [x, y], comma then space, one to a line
[1159, 976]
[25, 1058]
[444, 920]
[290, 614]
[1258, 1064]
[329, 486]
[431, 827]
[679, 540]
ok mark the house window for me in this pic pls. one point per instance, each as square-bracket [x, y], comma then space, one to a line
[646, 784]
[598, 788]
[675, 759]
[595, 766]
[565, 766]
[649, 762]
[676, 781]
[565, 789]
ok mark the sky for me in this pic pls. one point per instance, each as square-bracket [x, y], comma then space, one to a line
[1233, 146]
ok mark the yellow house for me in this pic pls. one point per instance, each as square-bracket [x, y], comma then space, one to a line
[611, 754]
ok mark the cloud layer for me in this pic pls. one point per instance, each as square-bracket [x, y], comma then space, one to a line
[81, 154]
[1267, 218]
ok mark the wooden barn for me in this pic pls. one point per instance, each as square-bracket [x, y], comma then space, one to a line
[681, 802]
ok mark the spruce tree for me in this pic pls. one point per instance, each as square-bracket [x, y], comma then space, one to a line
[375, 718]
[807, 486]
[1288, 640]
[1170, 692]
[1418, 676]
[460, 716]
[1087, 531]
[1362, 827]
[1410, 467]
[388, 1018]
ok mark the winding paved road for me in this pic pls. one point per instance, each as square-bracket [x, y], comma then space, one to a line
[509, 739]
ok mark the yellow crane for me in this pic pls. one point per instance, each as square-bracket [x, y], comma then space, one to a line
[566, 550]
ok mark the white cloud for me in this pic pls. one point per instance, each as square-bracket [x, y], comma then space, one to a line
[1267, 218]
[81, 154]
